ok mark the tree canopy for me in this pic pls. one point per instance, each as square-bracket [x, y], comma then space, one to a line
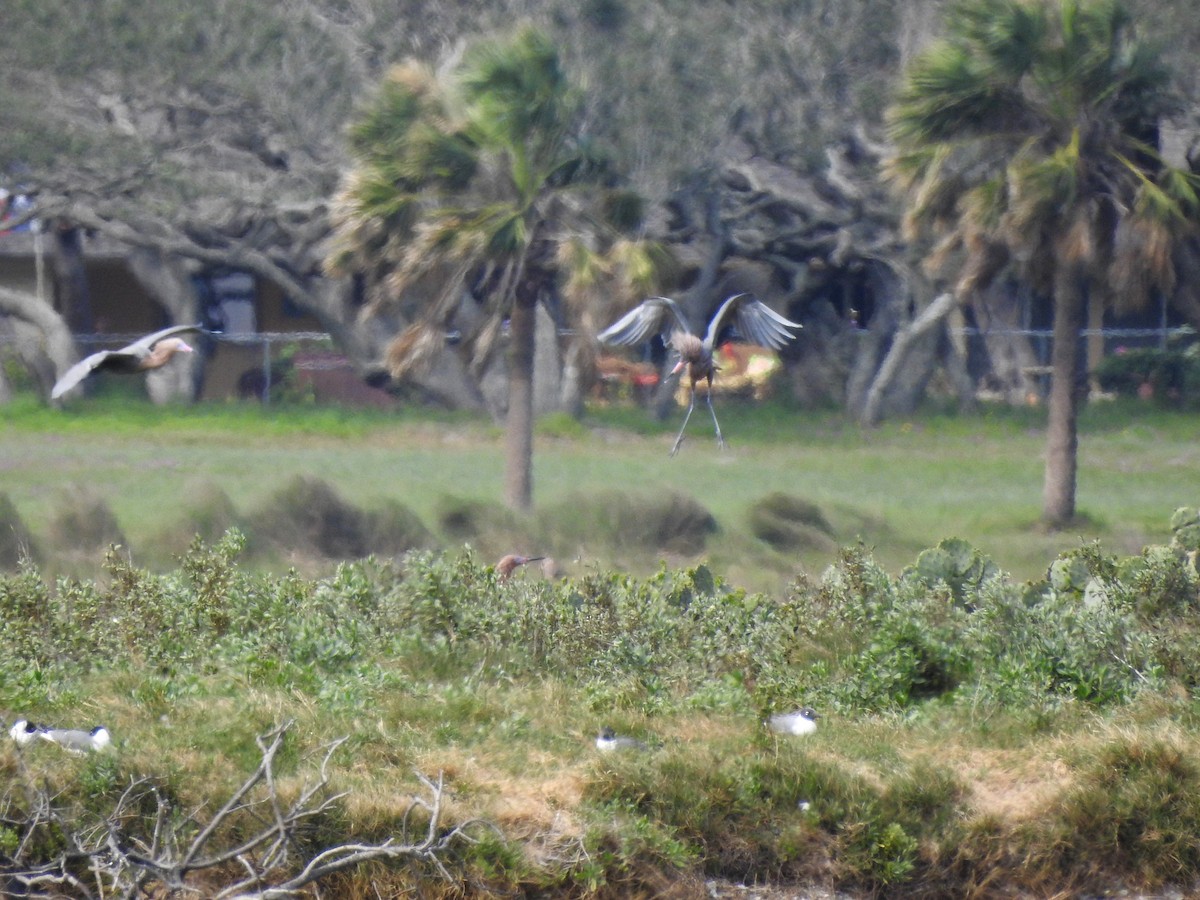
[1027, 141]
[480, 187]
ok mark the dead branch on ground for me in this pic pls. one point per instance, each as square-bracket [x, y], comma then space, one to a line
[253, 844]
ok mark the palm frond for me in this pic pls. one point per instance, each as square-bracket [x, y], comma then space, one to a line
[1143, 262]
[414, 350]
[1006, 33]
[583, 267]
[1041, 187]
[642, 265]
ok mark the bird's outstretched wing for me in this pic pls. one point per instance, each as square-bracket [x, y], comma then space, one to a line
[644, 321]
[756, 322]
[133, 352]
[142, 346]
[78, 372]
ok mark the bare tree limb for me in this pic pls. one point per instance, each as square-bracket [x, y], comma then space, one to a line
[131, 854]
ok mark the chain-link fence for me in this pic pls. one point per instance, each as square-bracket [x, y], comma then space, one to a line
[256, 368]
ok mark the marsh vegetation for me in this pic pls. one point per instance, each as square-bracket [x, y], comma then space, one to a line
[982, 728]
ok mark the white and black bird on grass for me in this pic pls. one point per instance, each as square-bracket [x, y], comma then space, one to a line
[802, 721]
[150, 352]
[755, 322]
[77, 741]
[24, 732]
[608, 741]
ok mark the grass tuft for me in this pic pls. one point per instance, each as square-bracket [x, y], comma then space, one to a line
[307, 515]
[16, 541]
[650, 521]
[788, 523]
[84, 524]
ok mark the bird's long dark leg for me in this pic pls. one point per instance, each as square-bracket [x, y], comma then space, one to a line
[691, 406]
[716, 424]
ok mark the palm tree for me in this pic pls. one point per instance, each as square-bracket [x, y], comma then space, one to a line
[482, 183]
[1026, 142]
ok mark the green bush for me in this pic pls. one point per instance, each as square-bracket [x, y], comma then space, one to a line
[1171, 374]
[948, 636]
[953, 626]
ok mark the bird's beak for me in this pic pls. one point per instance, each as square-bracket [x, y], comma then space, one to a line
[186, 348]
[678, 368]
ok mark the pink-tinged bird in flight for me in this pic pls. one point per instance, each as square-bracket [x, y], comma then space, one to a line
[150, 352]
[756, 322]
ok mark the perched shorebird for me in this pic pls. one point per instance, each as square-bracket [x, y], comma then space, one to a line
[23, 732]
[77, 741]
[151, 352]
[507, 564]
[608, 740]
[756, 322]
[802, 721]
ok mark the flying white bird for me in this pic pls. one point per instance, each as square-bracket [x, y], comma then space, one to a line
[151, 352]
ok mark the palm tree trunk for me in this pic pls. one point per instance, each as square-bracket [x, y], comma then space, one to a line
[1062, 438]
[518, 433]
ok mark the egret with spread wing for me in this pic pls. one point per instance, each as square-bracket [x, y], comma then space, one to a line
[755, 321]
[150, 352]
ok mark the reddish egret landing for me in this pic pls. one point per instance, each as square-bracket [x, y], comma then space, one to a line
[505, 567]
[756, 322]
[150, 352]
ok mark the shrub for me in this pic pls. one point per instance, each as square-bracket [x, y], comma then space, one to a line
[790, 523]
[650, 521]
[783, 816]
[464, 520]
[308, 515]
[394, 529]
[1135, 809]
[16, 541]
[83, 523]
[898, 642]
[1171, 374]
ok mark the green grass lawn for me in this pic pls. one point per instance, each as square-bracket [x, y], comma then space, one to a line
[899, 488]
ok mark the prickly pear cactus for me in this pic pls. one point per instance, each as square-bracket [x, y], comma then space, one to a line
[1185, 529]
[956, 563]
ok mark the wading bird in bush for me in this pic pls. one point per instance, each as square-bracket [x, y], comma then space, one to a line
[76, 741]
[608, 740]
[755, 321]
[151, 352]
[802, 721]
[507, 564]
